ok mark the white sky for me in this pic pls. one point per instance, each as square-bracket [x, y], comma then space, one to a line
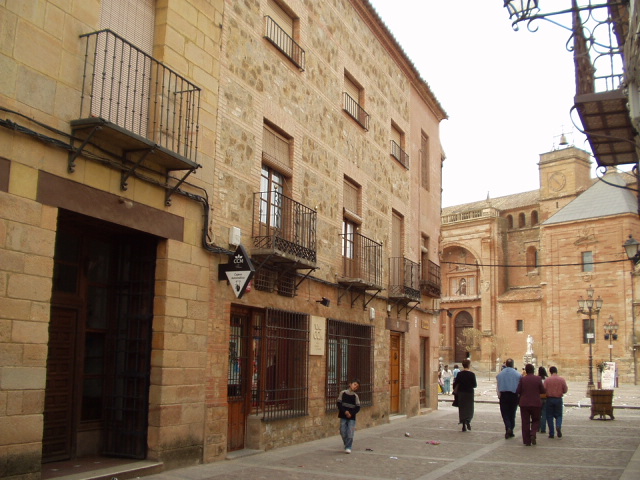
[508, 94]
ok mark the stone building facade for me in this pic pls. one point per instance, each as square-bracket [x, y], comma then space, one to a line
[514, 268]
[147, 148]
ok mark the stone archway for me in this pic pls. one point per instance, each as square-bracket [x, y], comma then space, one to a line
[463, 320]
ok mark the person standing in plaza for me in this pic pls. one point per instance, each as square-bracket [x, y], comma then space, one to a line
[529, 389]
[508, 380]
[348, 407]
[556, 387]
[542, 373]
[446, 380]
[456, 371]
[463, 387]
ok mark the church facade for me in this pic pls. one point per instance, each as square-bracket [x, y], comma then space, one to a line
[515, 267]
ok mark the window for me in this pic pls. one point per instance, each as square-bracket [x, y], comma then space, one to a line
[587, 261]
[519, 325]
[424, 160]
[276, 148]
[532, 259]
[397, 146]
[463, 286]
[281, 355]
[510, 222]
[349, 356]
[351, 221]
[353, 101]
[271, 193]
[534, 218]
[588, 332]
[281, 29]
[522, 220]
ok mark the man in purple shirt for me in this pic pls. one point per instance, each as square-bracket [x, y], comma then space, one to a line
[529, 389]
[556, 387]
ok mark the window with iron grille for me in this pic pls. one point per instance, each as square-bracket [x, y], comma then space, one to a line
[282, 353]
[282, 30]
[349, 356]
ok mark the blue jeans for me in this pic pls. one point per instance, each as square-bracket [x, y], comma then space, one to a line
[447, 385]
[347, 431]
[554, 410]
[543, 417]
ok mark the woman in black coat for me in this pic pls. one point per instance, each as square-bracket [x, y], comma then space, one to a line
[463, 388]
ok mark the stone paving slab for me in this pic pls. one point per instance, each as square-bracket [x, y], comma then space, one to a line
[588, 450]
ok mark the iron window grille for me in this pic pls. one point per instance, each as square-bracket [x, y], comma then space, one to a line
[281, 345]
[355, 111]
[399, 154]
[404, 278]
[283, 42]
[361, 257]
[349, 356]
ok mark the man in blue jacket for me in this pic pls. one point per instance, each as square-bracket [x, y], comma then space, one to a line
[508, 380]
[348, 407]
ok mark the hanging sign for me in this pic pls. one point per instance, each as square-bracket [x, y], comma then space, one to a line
[238, 271]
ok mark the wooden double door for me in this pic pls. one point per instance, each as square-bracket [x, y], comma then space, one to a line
[98, 365]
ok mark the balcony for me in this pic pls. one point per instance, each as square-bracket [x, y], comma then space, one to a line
[361, 262]
[355, 111]
[399, 154]
[283, 42]
[430, 283]
[284, 231]
[404, 280]
[135, 108]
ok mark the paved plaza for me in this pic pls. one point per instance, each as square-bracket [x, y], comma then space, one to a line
[432, 446]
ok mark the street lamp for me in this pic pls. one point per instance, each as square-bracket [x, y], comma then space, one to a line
[611, 334]
[632, 247]
[589, 307]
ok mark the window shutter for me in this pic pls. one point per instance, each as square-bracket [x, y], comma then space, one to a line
[280, 17]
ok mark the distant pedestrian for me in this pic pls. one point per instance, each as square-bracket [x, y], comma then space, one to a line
[456, 371]
[529, 390]
[542, 373]
[556, 387]
[348, 407]
[446, 380]
[463, 387]
[508, 380]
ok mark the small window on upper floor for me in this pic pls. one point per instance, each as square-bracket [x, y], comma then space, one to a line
[276, 148]
[282, 30]
[519, 325]
[354, 101]
[510, 222]
[522, 220]
[424, 160]
[532, 259]
[534, 218]
[397, 146]
[587, 261]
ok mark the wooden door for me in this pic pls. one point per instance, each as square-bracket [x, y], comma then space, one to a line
[463, 320]
[394, 373]
[239, 376]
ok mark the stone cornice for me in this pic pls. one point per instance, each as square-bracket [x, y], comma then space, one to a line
[388, 41]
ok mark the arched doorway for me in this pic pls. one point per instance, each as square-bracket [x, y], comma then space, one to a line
[463, 320]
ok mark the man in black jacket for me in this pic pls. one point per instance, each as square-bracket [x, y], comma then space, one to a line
[348, 407]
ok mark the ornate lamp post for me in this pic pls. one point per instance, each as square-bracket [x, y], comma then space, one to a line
[611, 334]
[590, 307]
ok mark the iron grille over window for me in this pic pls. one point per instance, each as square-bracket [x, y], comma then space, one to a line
[399, 154]
[283, 42]
[361, 258]
[404, 278]
[353, 108]
[283, 344]
[349, 356]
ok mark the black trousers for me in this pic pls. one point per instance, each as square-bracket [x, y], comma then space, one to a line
[508, 408]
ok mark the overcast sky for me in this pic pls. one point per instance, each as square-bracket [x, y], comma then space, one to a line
[508, 94]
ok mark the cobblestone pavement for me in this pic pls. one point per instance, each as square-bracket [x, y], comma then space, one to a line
[432, 446]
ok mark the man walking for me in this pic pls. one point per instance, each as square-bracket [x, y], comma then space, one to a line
[556, 387]
[508, 380]
[348, 406]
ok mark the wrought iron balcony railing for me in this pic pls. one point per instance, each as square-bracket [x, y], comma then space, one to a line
[404, 279]
[283, 42]
[399, 154]
[284, 227]
[353, 108]
[431, 282]
[362, 259]
[143, 103]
